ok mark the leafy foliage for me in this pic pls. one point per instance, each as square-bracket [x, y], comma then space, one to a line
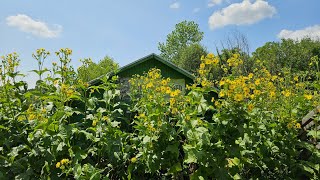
[90, 70]
[288, 53]
[67, 129]
[182, 45]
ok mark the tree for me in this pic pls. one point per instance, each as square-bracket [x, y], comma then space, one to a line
[189, 58]
[90, 70]
[295, 55]
[185, 36]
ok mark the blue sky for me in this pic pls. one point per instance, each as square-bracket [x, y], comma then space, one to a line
[128, 30]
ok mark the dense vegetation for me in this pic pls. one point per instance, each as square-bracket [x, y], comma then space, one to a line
[90, 70]
[239, 126]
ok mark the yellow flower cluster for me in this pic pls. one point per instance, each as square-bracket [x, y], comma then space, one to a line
[63, 163]
[65, 51]
[9, 63]
[234, 61]
[248, 87]
[35, 114]
[67, 90]
[206, 62]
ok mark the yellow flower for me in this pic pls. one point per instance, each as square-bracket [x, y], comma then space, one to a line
[32, 116]
[204, 83]
[281, 79]
[257, 92]
[163, 89]
[201, 72]
[250, 75]
[221, 83]
[172, 101]
[207, 61]
[202, 65]
[246, 91]
[168, 90]
[58, 165]
[257, 82]
[296, 78]
[172, 94]
[70, 92]
[298, 126]
[272, 94]
[64, 87]
[64, 161]
[252, 96]
[21, 118]
[94, 123]
[221, 94]
[216, 103]
[142, 115]
[212, 99]
[238, 97]
[215, 61]
[307, 96]
[250, 107]
[164, 82]
[133, 160]
[232, 87]
[286, 93]
[149, 85]
[106, 118]
[174, 110]
[252, 86]
[274, 77]
[210, 55]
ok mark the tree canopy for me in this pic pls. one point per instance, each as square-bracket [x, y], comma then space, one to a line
[90, 70]
[288, 53]
[182, 45]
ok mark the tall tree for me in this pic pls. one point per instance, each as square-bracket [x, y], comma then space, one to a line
[185, 35]
[90, 70]
[189, 58]
[288, 53]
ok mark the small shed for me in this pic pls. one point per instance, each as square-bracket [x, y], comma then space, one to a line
[179, 77]
[311, 122]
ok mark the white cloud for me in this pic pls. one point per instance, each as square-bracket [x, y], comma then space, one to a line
[241, 13]
[195, 10]
[214, 2]
[175, 5]
[312, 32]
[27, 24]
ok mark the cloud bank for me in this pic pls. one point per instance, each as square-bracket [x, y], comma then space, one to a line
[214, 2]
[37, 28]
[312, 32]
[175, 5]
[243, 13]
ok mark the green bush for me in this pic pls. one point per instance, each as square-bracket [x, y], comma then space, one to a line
[65, 128]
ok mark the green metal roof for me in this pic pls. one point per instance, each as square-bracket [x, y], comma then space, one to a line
[142, 60]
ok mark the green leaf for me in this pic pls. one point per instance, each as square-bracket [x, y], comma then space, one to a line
[175, 168]
[236, 161]
[146, 139]
[190, 154]
[77, 170]
[237, 176]
[60, 146]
